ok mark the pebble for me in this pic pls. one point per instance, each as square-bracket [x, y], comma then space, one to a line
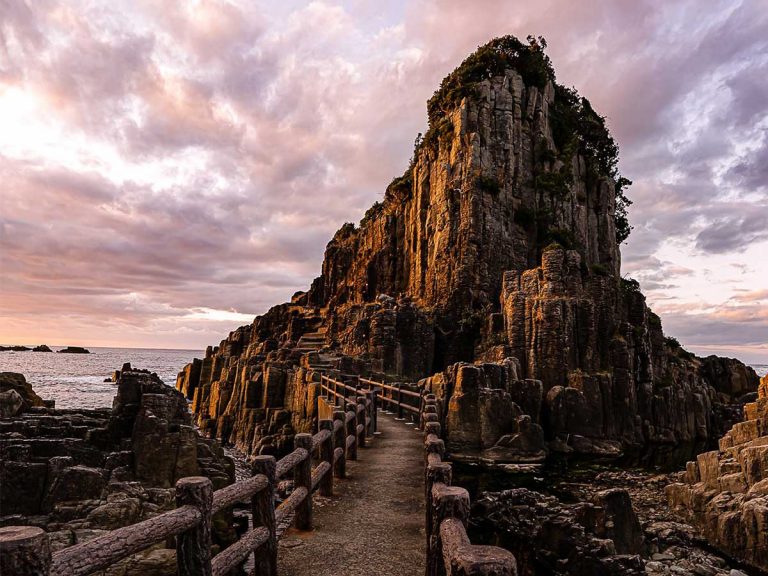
[704, 570]
[735, 572]
[662, 556]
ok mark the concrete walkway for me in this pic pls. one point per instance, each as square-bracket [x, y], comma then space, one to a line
[374, 524]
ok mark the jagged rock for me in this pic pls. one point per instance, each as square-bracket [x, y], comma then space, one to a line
[16, 382]
[41, 348]
[725, 492]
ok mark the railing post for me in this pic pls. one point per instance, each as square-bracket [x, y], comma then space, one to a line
[399, 400]
[352, 431]
[326, 454]
[340, 441]
[24, 551]
[435, 474]
[446, 502]
[361, 414]
[302, 478]
[193, 547]
[263, 510]
[374, 410]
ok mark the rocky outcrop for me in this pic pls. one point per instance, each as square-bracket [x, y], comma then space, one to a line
[74, 350]
[548, 537]
[17, 391]
[41, 348]
[725, 491]
[73, 471]
[488, 410]
[501, 240]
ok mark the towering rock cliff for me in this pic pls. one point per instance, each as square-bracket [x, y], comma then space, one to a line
[501, 240]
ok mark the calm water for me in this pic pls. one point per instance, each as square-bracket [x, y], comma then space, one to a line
[77, 380]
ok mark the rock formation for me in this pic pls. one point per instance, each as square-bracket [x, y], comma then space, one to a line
[500, 241]
[74, 350]
[17, 392]
[77, 473]
[548, 537]
[725, 491]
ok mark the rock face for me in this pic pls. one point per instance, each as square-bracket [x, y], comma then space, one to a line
[500, 241]
[41, 348]
[725, 492]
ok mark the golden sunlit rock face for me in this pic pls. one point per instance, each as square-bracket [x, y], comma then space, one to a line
[498, 246]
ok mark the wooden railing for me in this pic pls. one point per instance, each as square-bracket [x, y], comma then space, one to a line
[449, 551]
[397, 396]
[25, 550]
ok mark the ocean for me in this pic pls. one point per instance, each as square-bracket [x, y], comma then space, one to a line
[77, 380]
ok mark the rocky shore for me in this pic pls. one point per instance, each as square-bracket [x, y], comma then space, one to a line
[596, 521]
[77, 473]
[725, 491]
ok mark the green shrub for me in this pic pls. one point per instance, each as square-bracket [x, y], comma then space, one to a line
[557, 184]
[552, 246]
[372, 213]
[599, 270]
[672, 342]
[564, 237]
[630, 285]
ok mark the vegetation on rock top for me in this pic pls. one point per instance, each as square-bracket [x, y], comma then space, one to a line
[575, 125]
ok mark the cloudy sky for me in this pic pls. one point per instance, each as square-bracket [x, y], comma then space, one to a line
[170, 169]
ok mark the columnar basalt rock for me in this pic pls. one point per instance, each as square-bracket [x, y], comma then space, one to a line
[92, 468]
[499, 241]
[725, 491]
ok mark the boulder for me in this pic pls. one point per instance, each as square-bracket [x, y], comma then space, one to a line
[11, 403]
[18, 383]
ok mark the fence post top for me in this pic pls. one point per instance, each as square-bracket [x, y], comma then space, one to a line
[193, 481]
[12, 536]
[338, 414]
[351, 406]
[325, 424]
[262, 458]
[302, 440]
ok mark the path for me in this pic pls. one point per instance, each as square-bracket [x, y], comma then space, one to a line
[374, 524]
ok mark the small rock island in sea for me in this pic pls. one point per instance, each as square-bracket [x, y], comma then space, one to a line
[74, 350]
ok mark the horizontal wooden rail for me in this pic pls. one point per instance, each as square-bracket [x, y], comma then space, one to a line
[232, 557]
[290, 504]
[103, 551]
[392, 388]
[289, 462]
[238, 492]
[27, 549]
